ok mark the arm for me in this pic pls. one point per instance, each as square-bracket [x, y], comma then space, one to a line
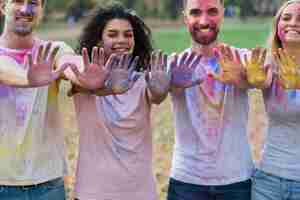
[84, 73]
[121, 77]
[232, 70]
[289, 72]
[40, 71]
[158, 78]
[186, 72]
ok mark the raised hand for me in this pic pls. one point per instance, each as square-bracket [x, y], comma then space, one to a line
[289, 76]
[183, 71]
[158, 78]
[231, 67]
[257, 73]
[41, 70]
[122, 75]
[95, 71]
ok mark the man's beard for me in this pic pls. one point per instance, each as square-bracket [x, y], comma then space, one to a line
[205, 40]
[23, 31]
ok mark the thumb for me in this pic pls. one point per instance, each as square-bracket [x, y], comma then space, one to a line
[60, 70]
[269, 79]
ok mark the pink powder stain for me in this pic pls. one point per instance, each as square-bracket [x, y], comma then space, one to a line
[280, 33]
[210, 86]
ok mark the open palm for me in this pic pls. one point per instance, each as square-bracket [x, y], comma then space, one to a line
[183, 70]
[41, 69]
[158, 77]
[289, 76]
[231, 66]
[94, 72]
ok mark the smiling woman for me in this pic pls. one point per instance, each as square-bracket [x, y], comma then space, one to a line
[115, 153]
[279, 170]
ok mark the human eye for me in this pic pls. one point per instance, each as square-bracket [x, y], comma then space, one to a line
[286, 17]
[129, 34]
[213, 11]
[34, 2]
[112, 34]
[195, 12]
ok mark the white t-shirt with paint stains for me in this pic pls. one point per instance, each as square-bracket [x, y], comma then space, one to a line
[211, 143]
[31, 136]
[115, 153]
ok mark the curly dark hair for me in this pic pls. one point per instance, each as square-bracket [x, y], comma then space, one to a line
[95, 26]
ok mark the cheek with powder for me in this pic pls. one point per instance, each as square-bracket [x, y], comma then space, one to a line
[107, 46]
[280, 32]
[30, 10]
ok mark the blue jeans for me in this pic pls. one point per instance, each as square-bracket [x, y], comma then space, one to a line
[51, 190]
[269, 187]
[185, 191]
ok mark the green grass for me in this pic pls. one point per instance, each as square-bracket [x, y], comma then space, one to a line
[240, 34]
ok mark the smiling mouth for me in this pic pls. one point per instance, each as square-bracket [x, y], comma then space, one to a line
[292, 31]
[204, 30]
[25, 19]
[120, 49]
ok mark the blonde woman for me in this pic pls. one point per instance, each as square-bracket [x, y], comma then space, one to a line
[278, 173]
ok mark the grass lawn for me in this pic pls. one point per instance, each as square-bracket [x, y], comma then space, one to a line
[241, 34]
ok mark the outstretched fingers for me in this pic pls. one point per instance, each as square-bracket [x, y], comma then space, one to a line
[85, 57]
[57, 73]
[46, 51]
[53, 54]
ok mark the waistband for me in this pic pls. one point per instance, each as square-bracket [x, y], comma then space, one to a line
[28, 187]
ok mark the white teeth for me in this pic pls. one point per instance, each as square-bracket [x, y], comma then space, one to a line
[293, 31]
[205, 30]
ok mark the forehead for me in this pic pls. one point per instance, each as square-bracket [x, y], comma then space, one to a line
[12, 1]
[203, 4]
[293, 8]
[118, 24]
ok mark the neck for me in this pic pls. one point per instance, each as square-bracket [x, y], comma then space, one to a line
[207, 51]
[13, 41]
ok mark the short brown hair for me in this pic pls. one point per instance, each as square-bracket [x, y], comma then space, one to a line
[185, 3]
[43, 2]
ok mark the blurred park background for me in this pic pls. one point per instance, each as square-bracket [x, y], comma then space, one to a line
[247, 24]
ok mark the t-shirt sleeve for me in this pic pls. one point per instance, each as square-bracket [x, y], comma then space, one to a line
[63, 49]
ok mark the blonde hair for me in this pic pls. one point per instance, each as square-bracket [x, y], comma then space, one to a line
[274, 41]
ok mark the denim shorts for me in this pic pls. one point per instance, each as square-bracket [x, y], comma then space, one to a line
[270, 187]
[185, 191]
[50, 190]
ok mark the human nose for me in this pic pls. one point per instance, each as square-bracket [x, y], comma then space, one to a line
[203, 20]
[121, 39]
[27, 8]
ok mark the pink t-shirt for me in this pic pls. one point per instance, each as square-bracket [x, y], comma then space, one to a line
[115, 154]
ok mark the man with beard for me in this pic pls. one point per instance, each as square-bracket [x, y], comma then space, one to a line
[212, 158]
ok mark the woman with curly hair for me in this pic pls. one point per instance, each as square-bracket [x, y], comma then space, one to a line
[115, 153]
